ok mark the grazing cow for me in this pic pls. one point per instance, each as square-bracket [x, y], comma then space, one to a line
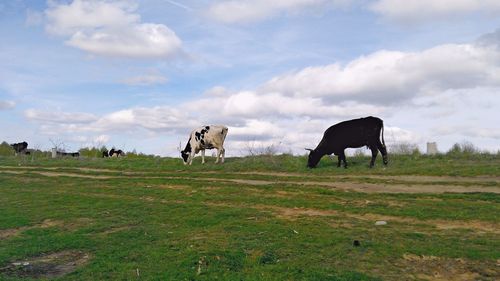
[105, 154]
[72, 154]
[350, 134]
[115, 153]
[20, 147]
[207, 137]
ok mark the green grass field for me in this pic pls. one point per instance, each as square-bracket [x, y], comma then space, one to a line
[252, 218]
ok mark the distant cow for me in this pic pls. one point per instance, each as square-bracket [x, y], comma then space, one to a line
[207, 137]
[72, 154]
[20, 147]
[350, 134]
[105, 154]
[115, 153]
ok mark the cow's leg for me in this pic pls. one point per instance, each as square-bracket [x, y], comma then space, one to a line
[339, 160]
[383, 151]
[203, 156]
[217, 155]
[190, 158]
[374, 155]
[342, 156]
[223, 154]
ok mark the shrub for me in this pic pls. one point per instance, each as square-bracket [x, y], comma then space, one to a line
[6, 149]
[92, 152]
[404, 148]
[464, 148]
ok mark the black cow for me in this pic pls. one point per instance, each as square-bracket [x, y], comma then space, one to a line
[20, 147]
[72, 154]
[105, 154]
[115, 153]
[350, 134]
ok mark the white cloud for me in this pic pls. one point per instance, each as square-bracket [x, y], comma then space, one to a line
[4, 105]
[472, 131]
[422, 10]
[59, 117]
[295, 108]
[110, 28]
[245, 11]
[144, 80]
[392, 76]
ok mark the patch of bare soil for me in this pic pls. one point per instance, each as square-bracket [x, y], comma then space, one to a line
[65, 174]
[295, 213]
[412, 178]
[12, 172]
[7, 233]
[372, 187]
[448, 269]
[249, 181]
[400, 188]
[47, 266]
[171, 186]
[59, 174]
[115, 229]
[340, 185]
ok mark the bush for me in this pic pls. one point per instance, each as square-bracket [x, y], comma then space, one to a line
[6, 149]
[464, 148]
[92, 152]
[404, 148]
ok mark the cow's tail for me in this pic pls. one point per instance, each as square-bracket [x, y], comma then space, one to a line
[384, 149]
[382, 134]
[224, 133]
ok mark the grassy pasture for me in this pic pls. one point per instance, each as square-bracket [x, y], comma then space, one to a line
[252, 218]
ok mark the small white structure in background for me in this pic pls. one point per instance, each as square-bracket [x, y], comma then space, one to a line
[432, 148]
[54, 152]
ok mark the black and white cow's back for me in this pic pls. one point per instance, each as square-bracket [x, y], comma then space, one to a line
[21, 147]
[206, 137]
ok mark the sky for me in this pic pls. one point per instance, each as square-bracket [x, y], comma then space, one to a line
[143, 74]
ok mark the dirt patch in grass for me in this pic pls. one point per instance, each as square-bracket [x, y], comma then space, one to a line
[448, 269]
[400, 188]
[7, 233]
[171, 186]
[47, 266]
[64, 174]
[295, 213]
[412, 178]
[340, 185]
[59, 174]
[115, 229]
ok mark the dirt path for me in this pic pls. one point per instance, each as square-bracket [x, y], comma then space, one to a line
[429, 184]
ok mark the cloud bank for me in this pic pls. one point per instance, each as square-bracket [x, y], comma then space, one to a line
[111, 28]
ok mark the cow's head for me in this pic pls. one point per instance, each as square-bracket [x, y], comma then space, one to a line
[186, 152]
[313, 158]
[185, 156]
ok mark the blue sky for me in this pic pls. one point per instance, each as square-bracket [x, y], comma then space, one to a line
[142, 74]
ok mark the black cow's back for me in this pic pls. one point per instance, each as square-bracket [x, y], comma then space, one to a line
[351, 134]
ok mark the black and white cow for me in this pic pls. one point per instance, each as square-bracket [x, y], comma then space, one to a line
[206, 137]
[350, 134]
[115, 153]
[20, 147]
[72, 154]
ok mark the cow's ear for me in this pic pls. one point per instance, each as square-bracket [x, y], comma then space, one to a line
[309, 149]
